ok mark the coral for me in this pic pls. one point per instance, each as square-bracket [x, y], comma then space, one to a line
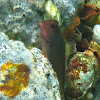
[69, 32]
[88, 11]
[82, 73]
[89, 15]
[94, 2]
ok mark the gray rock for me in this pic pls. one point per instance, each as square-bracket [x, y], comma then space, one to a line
[43, 82]
[20, 20]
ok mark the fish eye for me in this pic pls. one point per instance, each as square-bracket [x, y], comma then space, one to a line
[52, 25]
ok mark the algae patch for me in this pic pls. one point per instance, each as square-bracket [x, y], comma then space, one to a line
[52, 12]
[16, 78]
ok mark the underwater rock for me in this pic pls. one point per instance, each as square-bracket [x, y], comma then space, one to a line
[68, 10]
[81, 73]
[37, 79]
[38, 4]
[96, 33]
[20, 20]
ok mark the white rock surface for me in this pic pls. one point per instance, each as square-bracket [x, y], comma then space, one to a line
[43, 82]
[96, 33]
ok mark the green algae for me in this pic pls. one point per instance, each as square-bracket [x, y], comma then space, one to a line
[52, 12]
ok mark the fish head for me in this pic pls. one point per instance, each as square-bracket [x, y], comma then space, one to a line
[49, 30]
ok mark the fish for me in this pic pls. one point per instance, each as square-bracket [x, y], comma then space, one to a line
[53, 48]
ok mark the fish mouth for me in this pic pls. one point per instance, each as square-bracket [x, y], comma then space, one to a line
[41, 26]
